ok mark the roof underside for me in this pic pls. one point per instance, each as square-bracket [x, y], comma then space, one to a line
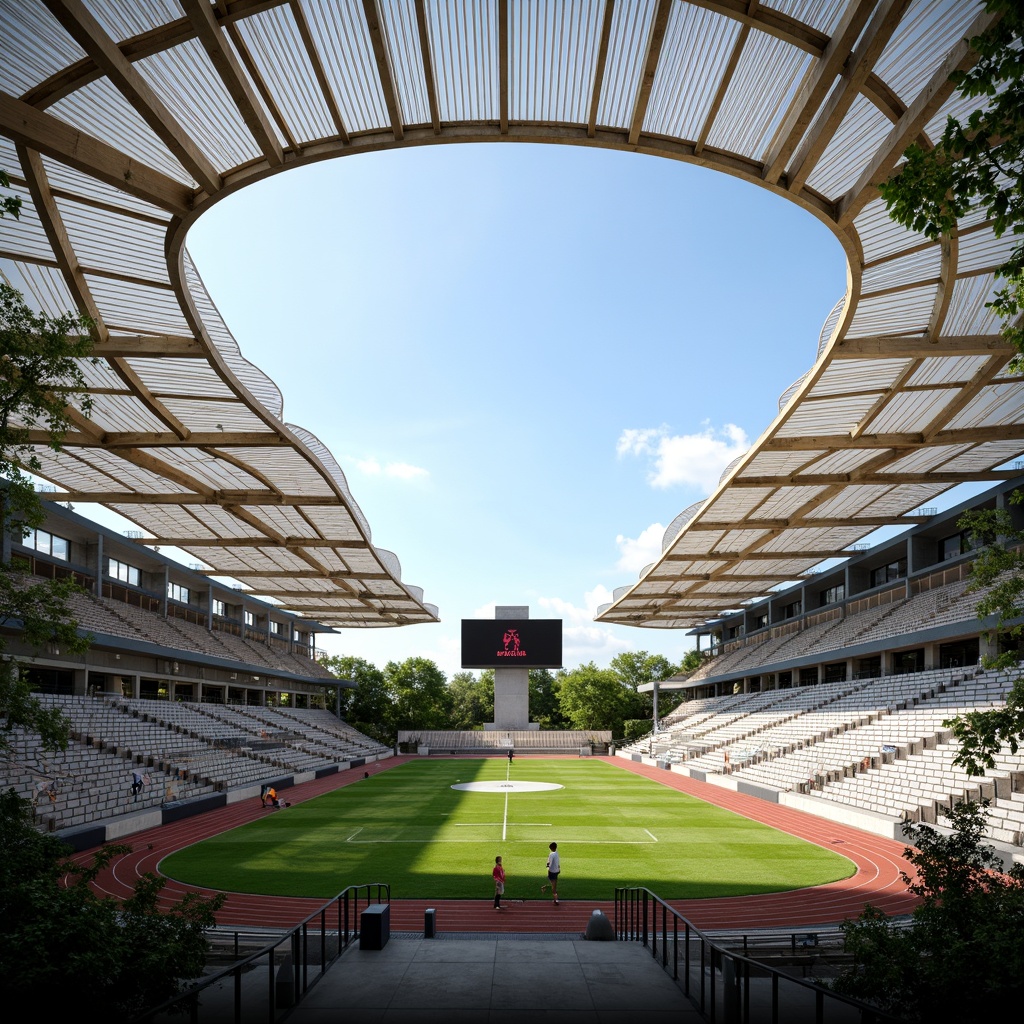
[121, 121]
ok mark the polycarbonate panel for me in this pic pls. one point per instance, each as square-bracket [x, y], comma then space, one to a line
[107, 241]
[837, 415]
[98, 109]
[194, 94]
[982, 456]
[911, 411]
[906, 312]
[821, 16]
[967, 313]
[993, 406]
[464, 44]
[862, 131]
[925, 460]
[949, 370]
[630, 33]
[880, 237]
[698, 44]
[273, 43]
[768, 76]
[927, 31]
[845, 460]
[924, 266]
[43, 49]
[858, 375]
[981, 250]
[552, 60]
[552, 64]
[129, 307]
[785, 502]
[403, 39]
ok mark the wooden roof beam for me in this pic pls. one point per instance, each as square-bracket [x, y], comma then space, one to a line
[385, 71]
[427, 58]
[655, 42]
[815, 88]
[39, 131]
[911, 123]
[227, 66]
[600, 66]
[79, 23]
[884, 22]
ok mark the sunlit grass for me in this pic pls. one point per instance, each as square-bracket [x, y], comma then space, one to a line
[407, 827]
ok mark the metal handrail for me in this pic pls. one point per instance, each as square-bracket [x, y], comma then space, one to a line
[723, 984]
[287, 963]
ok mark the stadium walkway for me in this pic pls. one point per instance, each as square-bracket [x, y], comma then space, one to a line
[876, 881]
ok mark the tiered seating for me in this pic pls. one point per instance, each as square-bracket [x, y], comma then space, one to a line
[186, 749]
[878, 745]
[499, 740]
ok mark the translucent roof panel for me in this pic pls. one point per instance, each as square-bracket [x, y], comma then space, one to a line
[133, 118]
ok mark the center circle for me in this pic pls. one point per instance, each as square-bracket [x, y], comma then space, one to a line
[499, 787]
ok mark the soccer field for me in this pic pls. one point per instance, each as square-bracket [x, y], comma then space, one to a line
[432, 828]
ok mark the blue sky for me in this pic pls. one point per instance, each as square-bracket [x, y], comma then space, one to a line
[527, 359]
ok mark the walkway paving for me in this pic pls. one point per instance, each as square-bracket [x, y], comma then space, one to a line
[496, 980]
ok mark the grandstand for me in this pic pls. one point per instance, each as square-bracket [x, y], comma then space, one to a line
[837, 710]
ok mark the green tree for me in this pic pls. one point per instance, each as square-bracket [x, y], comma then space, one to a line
[593, 698]
[65, 948]
[545, 708]
[9, 204]
[40, 374]
[369, 707]
[977, 163]
[997, 572]
[962, 958]
[420, 693]
[472, 699]
[636, 668]
[692, 660]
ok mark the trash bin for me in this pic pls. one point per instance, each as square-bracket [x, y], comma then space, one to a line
[375, 926]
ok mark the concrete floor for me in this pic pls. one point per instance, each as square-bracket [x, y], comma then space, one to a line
[496, 980]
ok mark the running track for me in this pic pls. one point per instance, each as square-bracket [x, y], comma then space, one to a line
[876, 881]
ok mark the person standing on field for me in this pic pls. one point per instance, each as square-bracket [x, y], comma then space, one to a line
[499, 883]
[554, 867]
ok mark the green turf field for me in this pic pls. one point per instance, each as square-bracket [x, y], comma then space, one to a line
[409, 828]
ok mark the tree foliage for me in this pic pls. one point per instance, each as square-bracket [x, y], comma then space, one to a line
[40, 374]
[472, 699]
[977, 163]
[419, 694]
[594, 698]
[65, 948]
[997, 573]
[962, 957]
[9, 204]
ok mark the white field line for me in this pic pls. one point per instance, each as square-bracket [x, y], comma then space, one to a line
[654, 837]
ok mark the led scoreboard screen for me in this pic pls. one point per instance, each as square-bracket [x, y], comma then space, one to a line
[511, 643]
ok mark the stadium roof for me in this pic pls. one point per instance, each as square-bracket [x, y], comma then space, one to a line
[121, 121]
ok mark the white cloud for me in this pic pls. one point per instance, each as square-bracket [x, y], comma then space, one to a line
[403, 471]
[584, 640]
[637, 552]
[694, 460]
[395, 470]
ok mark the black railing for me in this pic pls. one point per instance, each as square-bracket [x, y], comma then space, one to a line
[725, 985]
[271, 980]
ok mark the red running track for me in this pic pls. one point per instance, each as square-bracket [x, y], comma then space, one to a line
[877, 879]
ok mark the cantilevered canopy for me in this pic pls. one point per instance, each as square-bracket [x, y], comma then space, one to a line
[121, 121]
